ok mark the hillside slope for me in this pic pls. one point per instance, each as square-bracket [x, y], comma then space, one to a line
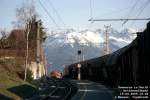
[12, 85]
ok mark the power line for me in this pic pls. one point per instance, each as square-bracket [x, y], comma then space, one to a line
[48, 13]
[49, 1]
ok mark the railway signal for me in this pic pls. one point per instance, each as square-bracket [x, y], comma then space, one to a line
[79, 52]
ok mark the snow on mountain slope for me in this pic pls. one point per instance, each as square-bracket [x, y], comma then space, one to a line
[61, 49]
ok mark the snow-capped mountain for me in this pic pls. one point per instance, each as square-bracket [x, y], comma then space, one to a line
[61, 48]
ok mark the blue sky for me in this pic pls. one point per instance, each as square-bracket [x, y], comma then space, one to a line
[75, 13]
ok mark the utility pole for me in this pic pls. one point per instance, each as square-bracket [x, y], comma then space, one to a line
[28, 28]
[106, 48]
[45, 63]
[38, 49]
[79, 71]
[42, 71]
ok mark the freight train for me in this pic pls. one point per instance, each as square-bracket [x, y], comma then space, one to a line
[129, 65]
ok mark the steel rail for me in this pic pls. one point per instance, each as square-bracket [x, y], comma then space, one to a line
[53, 90]
[70, 89]
[67, 86]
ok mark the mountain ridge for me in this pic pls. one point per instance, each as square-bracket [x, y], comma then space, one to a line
[61, 48]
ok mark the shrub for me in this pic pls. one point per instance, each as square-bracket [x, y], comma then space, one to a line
[29, 77]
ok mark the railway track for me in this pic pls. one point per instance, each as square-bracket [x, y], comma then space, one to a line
[62, 89]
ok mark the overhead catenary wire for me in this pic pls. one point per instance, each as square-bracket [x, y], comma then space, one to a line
[142, 9]
[118, 11]
[49, 15]
[91, 9]
[132, 9]
[115, 11]
[91, 14]
[126, 19]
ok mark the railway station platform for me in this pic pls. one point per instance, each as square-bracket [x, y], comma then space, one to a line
[88, 90]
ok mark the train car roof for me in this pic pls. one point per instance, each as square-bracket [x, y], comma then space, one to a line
[112, 59]
[97, 60]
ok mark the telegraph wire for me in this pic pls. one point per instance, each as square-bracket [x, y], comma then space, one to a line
[56, 12]
[49, 15]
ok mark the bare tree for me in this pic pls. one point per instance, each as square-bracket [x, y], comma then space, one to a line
[3, 38]
[24, 14]
[3, 33]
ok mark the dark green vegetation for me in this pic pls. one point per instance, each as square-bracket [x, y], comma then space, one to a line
[12, 62]
[12, 85]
